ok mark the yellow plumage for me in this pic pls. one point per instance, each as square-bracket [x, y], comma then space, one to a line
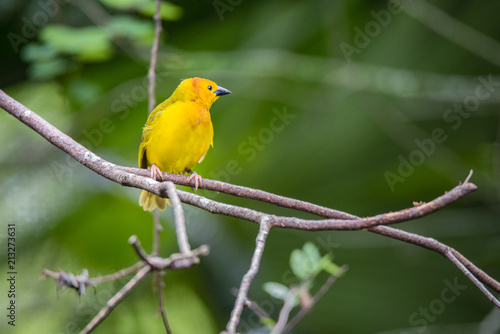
[178, 133]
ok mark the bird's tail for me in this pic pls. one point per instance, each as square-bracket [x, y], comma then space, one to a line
[150, 201]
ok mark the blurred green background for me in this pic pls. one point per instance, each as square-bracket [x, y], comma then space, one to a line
[362, 83]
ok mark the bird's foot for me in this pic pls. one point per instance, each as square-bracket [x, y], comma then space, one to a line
[156, 173]
[198, 181]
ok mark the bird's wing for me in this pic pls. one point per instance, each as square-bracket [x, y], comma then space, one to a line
[143, 161]
[146, 133]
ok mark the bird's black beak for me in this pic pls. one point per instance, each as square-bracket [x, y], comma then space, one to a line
[221, 91]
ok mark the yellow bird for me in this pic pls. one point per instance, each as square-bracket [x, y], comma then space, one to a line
[178, 134]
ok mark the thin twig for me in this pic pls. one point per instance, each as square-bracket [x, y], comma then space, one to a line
[481, 275]
[138, 249]
[253, 306]
[467, 179]
[179, 220]
[285, 311]
[175, 261]
[157, 228]
[115, 300]
[241, 298]
[329, 224]
[76, 282]
[321, 292]
[117, 275]
[489, 295]
[69, 280]
[154, 58]
[161, 301]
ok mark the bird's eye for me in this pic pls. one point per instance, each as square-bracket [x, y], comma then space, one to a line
[209, 87]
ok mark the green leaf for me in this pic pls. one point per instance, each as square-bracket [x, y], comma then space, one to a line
[301, 264]
[88, 43]
[297, 260]
[327, 265]
[305, 262]
[312, 252]
[276, 290]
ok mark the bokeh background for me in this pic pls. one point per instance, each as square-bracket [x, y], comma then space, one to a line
[357, 85]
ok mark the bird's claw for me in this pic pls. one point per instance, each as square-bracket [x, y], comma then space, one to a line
[198, 181]
[156, 173]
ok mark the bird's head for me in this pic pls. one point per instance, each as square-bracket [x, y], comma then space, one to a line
[202, 90]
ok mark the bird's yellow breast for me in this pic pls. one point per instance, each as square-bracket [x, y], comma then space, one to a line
[179, 136]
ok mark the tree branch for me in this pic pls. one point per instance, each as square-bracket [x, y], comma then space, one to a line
[149, 263]
[117, 275]
[246, 192]
[489, 295]
[285, 311]
[69, 280]
[157, 228]
[253, 306]
[337, 220]
[329, 224]
[161, 301]
[82, 281]
[154, 58]
[175, 261]
[116, 299]
[241, 298]
[321, 211]
[180, 222]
